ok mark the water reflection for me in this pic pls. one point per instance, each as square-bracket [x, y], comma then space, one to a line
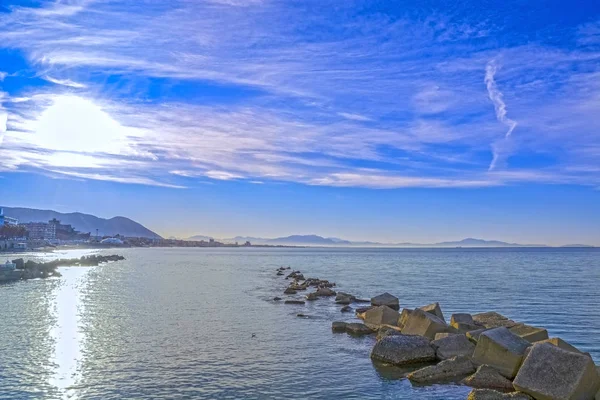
[66, 332]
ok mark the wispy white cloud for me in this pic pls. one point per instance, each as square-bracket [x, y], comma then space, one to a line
[65, 82]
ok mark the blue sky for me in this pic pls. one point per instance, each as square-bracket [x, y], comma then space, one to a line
[391, 121]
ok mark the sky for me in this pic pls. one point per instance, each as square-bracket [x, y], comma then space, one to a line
[367, 120]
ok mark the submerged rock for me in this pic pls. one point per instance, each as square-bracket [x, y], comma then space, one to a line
[550, 372]
[294, 302]
[434, 309]
[386, 299]
[382, 315]
[276, 298]
[289, 291]
[452, 346]
[358, 329]
[487, 394]
[346, 309]
[344, 298]
[501, 349]
[403, 350]
[455, 367]
[423, 323]
[487, 377]
[338, 327]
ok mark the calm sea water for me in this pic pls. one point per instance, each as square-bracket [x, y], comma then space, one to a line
[179, 323]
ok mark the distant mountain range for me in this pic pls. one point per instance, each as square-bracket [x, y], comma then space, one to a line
[315, 240]
[83, 222]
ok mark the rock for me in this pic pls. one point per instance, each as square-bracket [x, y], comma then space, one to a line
[487, 377]
[473, 336]
[386, 299]
[434, 309]
[550, 372]
[302, 315]
[529, 333]
[344, 298]
[280, 273]
[362, 300]
[338, 327]
[325, 292]
[403, 350]
[442, 335]
[382, 315]
[423, 323]
[292, 275]
[562, 344]
[289, 291]
[406, 312]
[387, 331]
[294, 302]
[454, 367]
[487, 394]
[463, 322]
[276, 298]
[492, 320]
[500, 349]
[358, 329]
[452, 346]
[346, 309]
[312, 296]
[362, 310]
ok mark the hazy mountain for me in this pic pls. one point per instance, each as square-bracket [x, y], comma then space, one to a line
[83, 222]
[199, 238]
[470, 242]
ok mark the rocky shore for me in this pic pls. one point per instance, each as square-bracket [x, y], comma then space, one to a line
[30, 269]
[498, 357]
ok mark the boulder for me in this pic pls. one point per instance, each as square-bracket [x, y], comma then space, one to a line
[463, 322]
[423, 323]
[294, 302]
[443, 335]
[487, 394]
[406, 312]
[529, 333]
[473, 336]
[382, 315]
[492, 319]
[447, 370]
[346, 309]
[551, 373]
[562, 344]
[387, 331]
[434, 309]
[276, 298]
[487, 377]
[386, 299]
[358, 329]
[312, 296]
[403, 350]
[325, 292]
[344, 298]
[338, 327]
[500, 349]
[452, 346]
[289, 291]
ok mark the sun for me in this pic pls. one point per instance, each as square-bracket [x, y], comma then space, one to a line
[77, 124]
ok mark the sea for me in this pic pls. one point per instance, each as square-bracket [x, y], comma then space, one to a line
[201, 323]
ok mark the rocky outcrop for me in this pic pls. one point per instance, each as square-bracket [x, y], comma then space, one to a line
[382, 315]
[434, 309]
[403, 350]
[500, 349]
[423, 323]
[452, 346]
[550, 372]
[487, 377]
[529, 333]
[447, 370]
[325, 292]
[487, 394]
[386, 299]
[344, 298]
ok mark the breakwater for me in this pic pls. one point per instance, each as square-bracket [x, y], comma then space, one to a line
[498, 357]
[31, 269]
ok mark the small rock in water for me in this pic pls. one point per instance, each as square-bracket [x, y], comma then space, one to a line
[346, 309]
[294, 302]
[312, 296]
[276, 298]
[358, 329]
[338, 327]
[386, 299]
[325, 292]
[289, 291]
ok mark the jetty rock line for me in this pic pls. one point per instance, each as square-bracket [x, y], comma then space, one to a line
[498, 357]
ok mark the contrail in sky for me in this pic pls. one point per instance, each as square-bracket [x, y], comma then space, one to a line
[495, 96]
